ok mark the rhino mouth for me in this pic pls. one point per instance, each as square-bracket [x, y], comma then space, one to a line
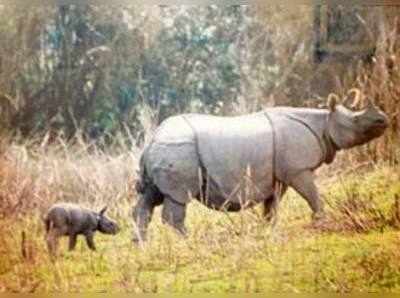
[381, 125]
[114, 231]
[376, 130]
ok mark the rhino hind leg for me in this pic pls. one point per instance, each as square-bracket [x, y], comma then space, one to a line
[174, 214]
[53, 239]
[269, 208]
[143, 211]
[272, 202]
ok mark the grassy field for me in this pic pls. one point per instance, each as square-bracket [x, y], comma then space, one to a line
[356, 249]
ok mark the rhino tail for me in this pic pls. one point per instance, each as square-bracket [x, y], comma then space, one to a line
[143, 179]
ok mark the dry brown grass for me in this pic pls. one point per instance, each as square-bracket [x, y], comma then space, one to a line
[355, 207]
[34, 176]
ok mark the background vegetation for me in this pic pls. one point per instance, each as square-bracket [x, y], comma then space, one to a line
[83, 87]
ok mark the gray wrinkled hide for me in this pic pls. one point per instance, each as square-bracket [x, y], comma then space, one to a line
[236, 153]
[233, 163]
[71, 220]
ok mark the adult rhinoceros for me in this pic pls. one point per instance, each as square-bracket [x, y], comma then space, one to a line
[232, 163]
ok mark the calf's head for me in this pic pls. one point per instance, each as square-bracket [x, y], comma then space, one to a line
[106, 225]
[349, 128]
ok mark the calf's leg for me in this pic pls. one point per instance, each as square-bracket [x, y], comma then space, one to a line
[52, 239]
[90, 240]
[72, 241]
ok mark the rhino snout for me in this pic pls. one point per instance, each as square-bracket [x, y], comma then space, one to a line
[116, 230]
[382, 122]
[112, 229]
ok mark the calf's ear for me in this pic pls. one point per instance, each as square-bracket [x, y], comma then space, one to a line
[332, 102]
[103, 211]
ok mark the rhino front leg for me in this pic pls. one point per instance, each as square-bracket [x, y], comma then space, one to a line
[174, 214]
[304, 184]
[90, 240]
[72, 241]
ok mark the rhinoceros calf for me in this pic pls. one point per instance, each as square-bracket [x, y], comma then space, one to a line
[232, 163]
[72, 220]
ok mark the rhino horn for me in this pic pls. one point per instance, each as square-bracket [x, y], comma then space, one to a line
[353, 102]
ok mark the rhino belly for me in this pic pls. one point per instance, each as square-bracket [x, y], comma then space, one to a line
[220, 203]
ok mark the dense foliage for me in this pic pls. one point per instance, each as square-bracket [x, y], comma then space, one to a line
[94, 67]
[98, 68]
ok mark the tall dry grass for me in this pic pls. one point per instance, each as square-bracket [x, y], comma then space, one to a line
[34, 176]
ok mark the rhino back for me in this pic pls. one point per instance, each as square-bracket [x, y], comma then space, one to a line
[174, 130]
[71, 218]
[82, 220]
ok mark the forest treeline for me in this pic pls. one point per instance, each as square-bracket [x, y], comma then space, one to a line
[97, 68]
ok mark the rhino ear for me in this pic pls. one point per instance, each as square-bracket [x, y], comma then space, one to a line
[332, 102]
[103, 211]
